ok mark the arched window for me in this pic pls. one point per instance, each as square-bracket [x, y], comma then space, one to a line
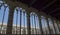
[51, 26]
[56, 26]
[34, 23]
[4, 11]
[59, 26]
[44, 25]
[19, 21]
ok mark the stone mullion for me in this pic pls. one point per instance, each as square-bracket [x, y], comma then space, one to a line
[57, 27]
[20, 19]
[48, 24]
[32, 24]
[24, 22]
[16, 21]
[53, 25]
[35, 24]
[40, 25]
[10, 20]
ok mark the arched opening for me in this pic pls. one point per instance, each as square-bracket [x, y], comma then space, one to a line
[34, 23]
[56, 26]
[44, 25]
[4, 11]
[19, 21]
[51, 26]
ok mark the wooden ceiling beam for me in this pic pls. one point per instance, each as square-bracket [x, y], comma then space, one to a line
[56, 14]
[33, 1]
[49, 4]
[54, 10]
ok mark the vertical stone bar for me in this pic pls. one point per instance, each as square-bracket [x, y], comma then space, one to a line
[24, 22]
[28, 23]
[56, 26]
[53, 24]
[20, 19]
[35, 24]
[16, 21]
[32, 24]
[48, 24]
[10, 20]
[40, 24]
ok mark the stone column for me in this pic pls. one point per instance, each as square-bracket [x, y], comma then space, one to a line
[28, 23]
[11, 5]
[10, 20]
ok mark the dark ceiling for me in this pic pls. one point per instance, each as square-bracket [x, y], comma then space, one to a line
[51, 7]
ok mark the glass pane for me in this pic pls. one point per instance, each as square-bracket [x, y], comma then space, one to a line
[19, 20]
[34, 24]
[44, 25]
[56, 27]
[51, 26]
[4, 11]
[14, 23]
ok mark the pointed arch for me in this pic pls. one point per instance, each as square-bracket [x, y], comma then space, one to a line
[51, 26]
[34, 23]
[4, 11]
[19, 21]
[56, 26]
[44, 25]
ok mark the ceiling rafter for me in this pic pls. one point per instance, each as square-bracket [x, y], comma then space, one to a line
[56, 14]
[45, 6]
[49, 4]
[33, 1]
[54, 10]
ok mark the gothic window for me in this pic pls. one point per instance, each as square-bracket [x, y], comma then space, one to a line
[19, 20]
[51, 26]
[56, 27]
[44, 25]
[34, 23]
[4, 11]
[58, 24]
[59, 27]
